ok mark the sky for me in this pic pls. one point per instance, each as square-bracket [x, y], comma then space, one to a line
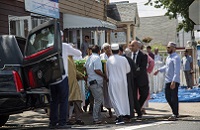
[145, 11]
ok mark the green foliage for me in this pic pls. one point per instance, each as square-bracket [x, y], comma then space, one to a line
[175, 8]
[80, 65]
[159, 46]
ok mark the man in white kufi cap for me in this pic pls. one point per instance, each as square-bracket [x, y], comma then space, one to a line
[107, 51]
[117, 69]
[172, 79]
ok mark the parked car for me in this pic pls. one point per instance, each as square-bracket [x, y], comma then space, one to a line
[27, 67]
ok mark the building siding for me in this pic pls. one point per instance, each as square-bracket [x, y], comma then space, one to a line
[87, 8]
[160, 28]
[10, 7]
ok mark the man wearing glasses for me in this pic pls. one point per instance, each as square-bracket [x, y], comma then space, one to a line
[172, 79]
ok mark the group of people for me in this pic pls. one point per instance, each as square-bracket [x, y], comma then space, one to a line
[123, 84]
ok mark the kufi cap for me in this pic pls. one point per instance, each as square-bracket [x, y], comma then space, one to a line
[105, 45]
[171, 44]
[115, 46]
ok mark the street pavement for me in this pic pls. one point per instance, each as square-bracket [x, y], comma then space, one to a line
[38, 119]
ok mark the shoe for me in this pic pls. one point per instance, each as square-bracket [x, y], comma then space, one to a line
[172, 118]
[79, 122]
[97, 122]
[65, 126]
[139, 117]
[51, 126]
[120, 120]
[103, 110]
[70, 123]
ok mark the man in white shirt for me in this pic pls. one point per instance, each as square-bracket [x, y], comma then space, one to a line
[95, 74]
[59, 91]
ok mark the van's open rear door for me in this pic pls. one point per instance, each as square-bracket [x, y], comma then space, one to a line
[43, 55]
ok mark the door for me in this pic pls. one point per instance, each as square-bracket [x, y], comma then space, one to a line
[43, 55]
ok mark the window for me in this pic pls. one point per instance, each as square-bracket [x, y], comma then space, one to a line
[40, 40]
[21, 25]
[36, 21]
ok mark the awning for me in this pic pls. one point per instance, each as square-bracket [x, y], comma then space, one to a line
[73, 21]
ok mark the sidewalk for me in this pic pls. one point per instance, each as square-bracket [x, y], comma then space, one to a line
[155, 111]
[190, 109]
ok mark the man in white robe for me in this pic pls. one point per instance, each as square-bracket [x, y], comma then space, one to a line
[117, 69]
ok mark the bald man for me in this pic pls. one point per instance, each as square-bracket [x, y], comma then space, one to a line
[141, 79]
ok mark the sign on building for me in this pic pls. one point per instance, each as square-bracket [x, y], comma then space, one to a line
[44, 7]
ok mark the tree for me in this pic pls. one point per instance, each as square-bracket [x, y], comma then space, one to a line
[174, 9]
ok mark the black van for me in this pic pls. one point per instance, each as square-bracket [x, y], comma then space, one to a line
[27, 67]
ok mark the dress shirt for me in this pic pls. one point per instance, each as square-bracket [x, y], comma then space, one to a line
[103, 56]
[172, 68]
[94, 63]
[136, 54]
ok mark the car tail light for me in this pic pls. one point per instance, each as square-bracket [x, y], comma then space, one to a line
[18, 82]
[31, 78]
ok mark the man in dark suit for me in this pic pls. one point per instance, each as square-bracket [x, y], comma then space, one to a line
[141, 79]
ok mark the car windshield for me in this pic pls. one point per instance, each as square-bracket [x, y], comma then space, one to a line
[40, 40]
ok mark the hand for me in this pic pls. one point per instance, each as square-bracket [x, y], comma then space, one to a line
[156, 72]
[172, 86]
[105, 77]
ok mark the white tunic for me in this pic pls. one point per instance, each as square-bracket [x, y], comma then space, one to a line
[117, 68]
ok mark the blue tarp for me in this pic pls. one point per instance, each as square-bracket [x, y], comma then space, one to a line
[184, 95]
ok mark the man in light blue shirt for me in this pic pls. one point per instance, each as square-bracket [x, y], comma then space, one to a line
[187, 65]
[172, 78]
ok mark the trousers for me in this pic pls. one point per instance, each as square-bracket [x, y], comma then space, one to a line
[171, 96]
[97, 92]
[59, 102]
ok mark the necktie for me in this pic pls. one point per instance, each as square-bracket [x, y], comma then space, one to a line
[134, 55]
